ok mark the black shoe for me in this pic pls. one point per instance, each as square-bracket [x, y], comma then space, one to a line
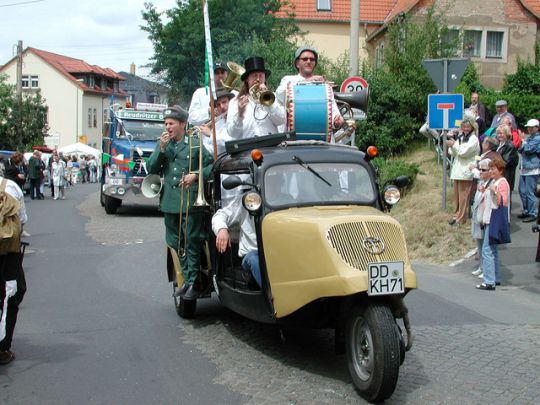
[182, 290]
[497, 283]
[452, 221]
[6, 357]
[522, 215]
[192, 293]
[529, 218]
[486, 287]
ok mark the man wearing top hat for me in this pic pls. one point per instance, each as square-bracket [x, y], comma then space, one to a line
[199, 109]
[305, 62]
[502, 111]
[246, 118]
[172, 157]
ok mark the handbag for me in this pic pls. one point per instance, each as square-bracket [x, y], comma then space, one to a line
[499, 227]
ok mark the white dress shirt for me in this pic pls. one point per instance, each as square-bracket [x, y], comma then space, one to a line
[258, 120]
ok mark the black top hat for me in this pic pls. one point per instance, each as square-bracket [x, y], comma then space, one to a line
[254, 64]
[222, 92]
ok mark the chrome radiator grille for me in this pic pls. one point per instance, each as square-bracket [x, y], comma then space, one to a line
[348, 241]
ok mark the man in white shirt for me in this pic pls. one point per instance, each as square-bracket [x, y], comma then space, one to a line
[235, 214]
[305, 62]
[199, 109]
[221, 104]
[246, 117]
[12, 282]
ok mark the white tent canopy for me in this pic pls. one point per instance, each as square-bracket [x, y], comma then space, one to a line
[79, 149]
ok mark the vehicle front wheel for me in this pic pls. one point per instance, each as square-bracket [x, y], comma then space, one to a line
[112, 205]
[101, 196]
[185, 309]
[373, 351]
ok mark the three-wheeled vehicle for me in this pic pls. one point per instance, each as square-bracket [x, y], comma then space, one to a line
[329, 255]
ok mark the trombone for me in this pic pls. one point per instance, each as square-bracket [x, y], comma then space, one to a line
[200, 201]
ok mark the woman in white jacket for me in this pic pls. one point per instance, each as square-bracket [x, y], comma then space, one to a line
[58, 173]
[463, 148]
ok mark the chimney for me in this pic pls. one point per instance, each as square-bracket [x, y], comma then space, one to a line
[132, 68]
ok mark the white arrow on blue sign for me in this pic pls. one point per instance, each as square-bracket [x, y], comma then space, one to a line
[445, 111]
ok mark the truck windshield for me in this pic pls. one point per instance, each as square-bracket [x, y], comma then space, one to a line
[293, 184]
[142, 130]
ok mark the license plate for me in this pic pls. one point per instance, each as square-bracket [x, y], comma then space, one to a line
[115, 182]
[385, 278]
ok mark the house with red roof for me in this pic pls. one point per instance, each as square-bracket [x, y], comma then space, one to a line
[77, 94]
[493, 33]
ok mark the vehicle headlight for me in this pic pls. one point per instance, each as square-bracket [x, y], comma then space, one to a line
[121, 190]
[252, 201]
[112, 190]
[392, 195]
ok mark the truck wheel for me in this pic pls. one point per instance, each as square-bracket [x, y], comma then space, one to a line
[185, 309]
[111, 205]
[373, 351]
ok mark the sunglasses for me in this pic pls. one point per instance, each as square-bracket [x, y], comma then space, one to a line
[308, 59]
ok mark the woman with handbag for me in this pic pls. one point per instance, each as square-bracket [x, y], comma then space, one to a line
[494, 217]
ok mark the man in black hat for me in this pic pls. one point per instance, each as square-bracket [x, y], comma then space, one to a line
[199, 108]
[305, 62]
[246, 117]
[221, 106]
[180, 168]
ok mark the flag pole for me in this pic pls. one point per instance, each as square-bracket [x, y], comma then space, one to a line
[210, 66]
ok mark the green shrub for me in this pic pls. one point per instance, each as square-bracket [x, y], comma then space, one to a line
[523, 107]
[392, 168]
[526, 80]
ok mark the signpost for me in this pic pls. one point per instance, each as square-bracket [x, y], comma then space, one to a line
[446, 74]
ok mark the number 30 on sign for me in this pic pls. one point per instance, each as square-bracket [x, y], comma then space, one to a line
[353, 84]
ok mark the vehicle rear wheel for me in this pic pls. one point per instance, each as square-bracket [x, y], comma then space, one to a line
[185, 309]
[111, 205]
[373, 351]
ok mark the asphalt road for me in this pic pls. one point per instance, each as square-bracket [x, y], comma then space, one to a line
[98, 326]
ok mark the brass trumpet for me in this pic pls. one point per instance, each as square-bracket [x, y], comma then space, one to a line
[261, 95]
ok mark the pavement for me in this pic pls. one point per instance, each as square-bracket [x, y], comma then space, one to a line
[520, 285]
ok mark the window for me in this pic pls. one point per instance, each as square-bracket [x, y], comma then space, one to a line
[91, 82]
[30, 81]
[324, 5]
[379, 55]
[94, 118]
[494, 45]
[450, 40]
[105, 115]
[89, 118]
[472, 41]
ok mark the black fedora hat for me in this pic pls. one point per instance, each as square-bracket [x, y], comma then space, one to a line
[222, 92]
[254, 64]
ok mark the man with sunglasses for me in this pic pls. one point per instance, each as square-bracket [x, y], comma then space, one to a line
[305, 62]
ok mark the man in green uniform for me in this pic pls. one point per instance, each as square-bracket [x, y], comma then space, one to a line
[172, 157]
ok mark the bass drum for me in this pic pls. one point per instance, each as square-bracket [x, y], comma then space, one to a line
[309, 111]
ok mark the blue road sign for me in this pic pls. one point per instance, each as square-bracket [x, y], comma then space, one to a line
[445, 111]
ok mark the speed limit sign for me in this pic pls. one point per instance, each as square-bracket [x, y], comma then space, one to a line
[353, 84]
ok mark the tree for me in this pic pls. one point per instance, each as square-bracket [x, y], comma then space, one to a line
[399, 88]
[23, 124]
[240, 28]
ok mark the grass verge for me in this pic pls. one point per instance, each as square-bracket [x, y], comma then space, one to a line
[429, 237]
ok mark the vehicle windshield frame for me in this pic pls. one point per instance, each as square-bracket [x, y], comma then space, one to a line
[127, 126]
[365, 174]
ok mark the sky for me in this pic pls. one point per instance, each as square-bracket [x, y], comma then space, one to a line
[101, 32]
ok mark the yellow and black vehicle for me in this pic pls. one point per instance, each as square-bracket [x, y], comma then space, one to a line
[329, 254]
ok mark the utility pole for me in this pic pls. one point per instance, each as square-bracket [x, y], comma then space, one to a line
[19, 94]
[353, 47]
